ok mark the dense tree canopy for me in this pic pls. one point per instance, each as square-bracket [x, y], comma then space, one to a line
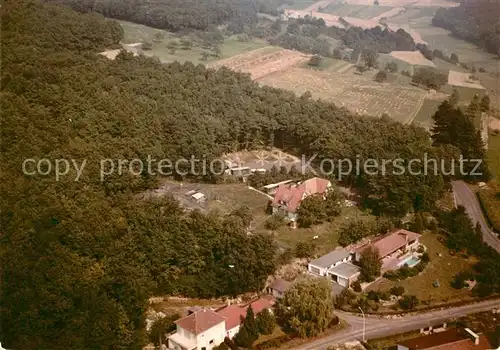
[474, 20]
[170, 14]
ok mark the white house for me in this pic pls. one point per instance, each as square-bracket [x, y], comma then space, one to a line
[321, 265]
[278, 288]
[201, 330]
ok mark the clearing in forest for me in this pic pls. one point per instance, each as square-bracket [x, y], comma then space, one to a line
[260, 63]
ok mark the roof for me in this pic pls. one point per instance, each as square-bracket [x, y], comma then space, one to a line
[346, 270]
[454, 338]
[413, 57]
[232, 314]
[200, 321]
[261, 304]
[198, 195]
[463, 79]
[390, 242]
[331, 258]
[291, 195]
[280, 285]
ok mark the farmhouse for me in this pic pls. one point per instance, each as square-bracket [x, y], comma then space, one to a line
[455, 338]
[205, 329]
[288, 197]
[279, 287]
[411, 60]
[465, 84]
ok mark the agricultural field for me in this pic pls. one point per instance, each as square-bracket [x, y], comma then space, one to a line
[262, 62]
[425, 113]
[358, 11]
[298, 4]
[358, 93]
[442, 267]
[136, 33]
[330, 65]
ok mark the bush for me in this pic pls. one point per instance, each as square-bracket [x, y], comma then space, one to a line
[305, 249]
[273, 343]
[274, 222]
[397, 290]
[425, 258]
[356, 286]
[315, 61]
[392, 67]
[406, 73]
[381, 76]
[482, 70]
[409, 302]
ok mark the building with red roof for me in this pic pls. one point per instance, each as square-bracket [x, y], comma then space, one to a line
[288, 196]
[453, 339]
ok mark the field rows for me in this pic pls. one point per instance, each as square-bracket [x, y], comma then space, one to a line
[357, 93]
[260, 64]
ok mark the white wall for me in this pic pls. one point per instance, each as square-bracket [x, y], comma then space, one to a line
[232, 332]
[215, 334]
[401, 347]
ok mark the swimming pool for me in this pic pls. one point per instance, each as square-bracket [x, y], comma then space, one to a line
[410, 261]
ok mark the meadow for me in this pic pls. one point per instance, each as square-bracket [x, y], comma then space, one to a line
[358, 11]
[134, 33]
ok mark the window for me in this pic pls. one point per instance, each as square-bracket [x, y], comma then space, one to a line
[211, 341]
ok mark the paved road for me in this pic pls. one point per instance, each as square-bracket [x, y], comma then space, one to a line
[377, 327]
[465, 197]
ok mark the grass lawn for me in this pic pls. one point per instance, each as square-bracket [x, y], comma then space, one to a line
[298, 4]
[134, 33]
[277, 332]
[442, 268]
[328, 233]
[358, 11]
[425, 113]
[490, 198]
[329, 65]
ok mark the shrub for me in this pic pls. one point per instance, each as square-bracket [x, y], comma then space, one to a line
[315, 61]
[305, 249]
[425, 258]
[356, 286]
[274, 222]
[409, 302]
[381, 76]
[482, 70]
[273, 343]
[397, 290]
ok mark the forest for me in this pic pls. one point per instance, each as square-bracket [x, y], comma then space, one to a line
[477, 21]
[171, 15]
[81, 258]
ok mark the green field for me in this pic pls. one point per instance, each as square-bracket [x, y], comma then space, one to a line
[330, 65]
[298, 4]
[425, 113]
[358, 11]
[231, 46]
[494, 155]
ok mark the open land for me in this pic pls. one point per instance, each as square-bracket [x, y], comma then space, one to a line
[137, 33]
[442, 267]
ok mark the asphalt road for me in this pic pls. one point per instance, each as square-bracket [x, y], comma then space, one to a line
[377, 327]
[465, 197]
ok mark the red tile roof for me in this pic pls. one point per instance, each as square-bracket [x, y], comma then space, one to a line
[455, 338]
[290, 196]
[234, 313]
[390, 242]
[200, 321]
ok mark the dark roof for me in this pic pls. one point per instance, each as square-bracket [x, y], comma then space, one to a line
[455, 338]
[280, 285]
[200, 321]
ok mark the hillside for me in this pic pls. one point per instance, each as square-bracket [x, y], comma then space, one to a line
[474, 20]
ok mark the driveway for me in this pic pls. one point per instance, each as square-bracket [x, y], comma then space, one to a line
[466, 198]
[377, 327]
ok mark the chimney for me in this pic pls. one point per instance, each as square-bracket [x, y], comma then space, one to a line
[473, 335]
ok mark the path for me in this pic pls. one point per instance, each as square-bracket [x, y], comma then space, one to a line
[377, 327]
[465, 197]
